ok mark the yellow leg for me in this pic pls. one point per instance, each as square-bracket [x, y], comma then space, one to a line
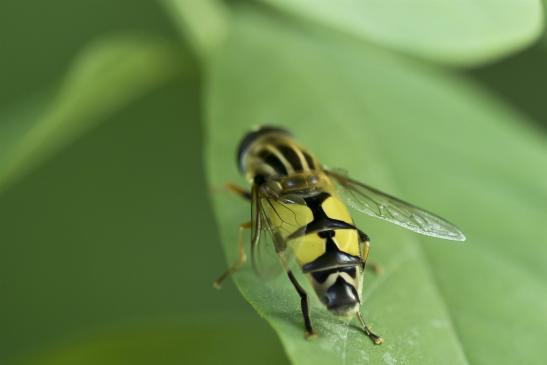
[374, 337]
[233, 188]
[245, 194]
[375, 268]
[241, 260]
[366, 247]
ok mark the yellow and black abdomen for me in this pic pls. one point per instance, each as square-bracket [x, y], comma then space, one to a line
[330, 219]
[326, 246]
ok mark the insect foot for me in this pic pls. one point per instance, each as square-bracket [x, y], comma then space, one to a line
[310, 336]
[376, 339]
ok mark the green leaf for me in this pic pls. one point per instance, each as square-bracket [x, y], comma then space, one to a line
[451, 32]
[418, 132]
[105, 77]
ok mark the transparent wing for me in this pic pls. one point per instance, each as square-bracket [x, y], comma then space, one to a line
[269, 252]
[377, 204]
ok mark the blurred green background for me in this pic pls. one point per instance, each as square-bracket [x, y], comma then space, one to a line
[108, 249]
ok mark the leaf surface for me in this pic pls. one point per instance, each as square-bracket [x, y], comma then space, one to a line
[414, 131]
[453, 32]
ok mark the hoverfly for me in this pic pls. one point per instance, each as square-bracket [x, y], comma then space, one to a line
[297, 209]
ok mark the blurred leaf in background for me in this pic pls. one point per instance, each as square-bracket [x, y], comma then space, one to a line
[39, 40]
[107, 76]
[108, 244]
[521, 80]
[451, 32]
[107, 249]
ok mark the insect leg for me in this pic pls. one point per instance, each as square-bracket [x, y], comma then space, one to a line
[303, 304]
[374, 337]
[241, 260]
[365, 246]
[245, 194]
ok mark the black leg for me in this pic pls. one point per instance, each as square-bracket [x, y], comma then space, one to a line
[303, 304]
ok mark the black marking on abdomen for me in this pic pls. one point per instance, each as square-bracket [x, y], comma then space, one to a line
[273, 161]
[291, 156]
[341, 296]
[253, 136]
[333, 258]
[309, 160]
[351, 271]
[322, 276]
[321, 221]
[327, 234]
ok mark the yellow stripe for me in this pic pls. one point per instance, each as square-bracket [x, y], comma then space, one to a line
[303, 161]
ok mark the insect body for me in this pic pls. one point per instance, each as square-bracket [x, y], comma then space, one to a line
[297, 210]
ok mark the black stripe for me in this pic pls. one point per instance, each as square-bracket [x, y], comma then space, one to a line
[322, 276]
[252, 136]
[350, 271]
[272, 160]
[291, 156]
[333, 258]
[321, 221]
[309, 160]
